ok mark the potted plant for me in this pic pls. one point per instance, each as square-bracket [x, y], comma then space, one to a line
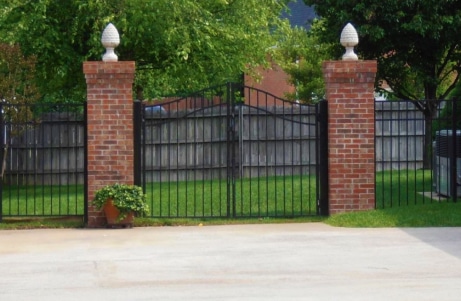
[119, 203]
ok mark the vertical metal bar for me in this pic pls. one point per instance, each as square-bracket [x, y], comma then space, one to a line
[60, 167]
[233, 151]
[453, 154]
[375, 140]
[415, 154]
[156, 163]
[177, 162]
[156, 141]
[211, 157]
[435, 179]
[222, 136]
[322, 158]
[267, 166]
[167, 163]
[229, 144]
[292, 163]
[237, 94]
[185, 174]
[2, 158]
[391, 137]
[457, 127]
[44, 173]
[67, 170]
[239, 121]
[10, 158]
[137, 144]
[300, 162]
[407, 159]
[74, 146]
[85, 163]
[399, 184]
[381, 128]
[194, 150]
[50, 173]
[36, 167]
[284, 158]
[204, 145]
[275, 140]
[59, 145]
[258, 139]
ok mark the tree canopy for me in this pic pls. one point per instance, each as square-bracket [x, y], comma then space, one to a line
[178, 46]
[17, 85]
[416, 43]
[301, 55]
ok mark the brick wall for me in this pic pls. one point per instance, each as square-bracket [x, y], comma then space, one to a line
[110, 128]
[350, 86]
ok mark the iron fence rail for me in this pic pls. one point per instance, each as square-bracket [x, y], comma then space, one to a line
[212, 155]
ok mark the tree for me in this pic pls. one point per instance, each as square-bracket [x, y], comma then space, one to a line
[17, 93]
[301, 54]
[416, 45]
[61, 35]
[198, 43]
[178, 46]
[16, 83]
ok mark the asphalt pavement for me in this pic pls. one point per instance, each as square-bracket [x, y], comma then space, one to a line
[310, 261]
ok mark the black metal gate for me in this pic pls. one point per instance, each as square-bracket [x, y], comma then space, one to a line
[232, 151]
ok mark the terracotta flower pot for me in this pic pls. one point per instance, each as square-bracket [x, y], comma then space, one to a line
[111, 212]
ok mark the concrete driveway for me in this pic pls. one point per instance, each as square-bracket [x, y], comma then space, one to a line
[309, 261]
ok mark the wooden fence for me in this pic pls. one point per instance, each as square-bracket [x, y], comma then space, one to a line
[399, 136]
[48, 152]
[253, 142]
[52, 151]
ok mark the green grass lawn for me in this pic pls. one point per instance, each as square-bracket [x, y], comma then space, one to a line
[404, 198]
[42, 200]
[445, 214]
[404, 188]
[257, 197]
[400, 203]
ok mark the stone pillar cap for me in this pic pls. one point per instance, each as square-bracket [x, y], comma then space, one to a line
[349, 39]
[110, 39]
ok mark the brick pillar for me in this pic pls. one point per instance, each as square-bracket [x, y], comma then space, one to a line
[351, 132]
[110, 128]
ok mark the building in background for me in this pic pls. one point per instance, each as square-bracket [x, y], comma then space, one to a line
[275, 80]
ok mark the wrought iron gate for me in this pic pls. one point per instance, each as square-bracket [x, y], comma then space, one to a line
[232, 151]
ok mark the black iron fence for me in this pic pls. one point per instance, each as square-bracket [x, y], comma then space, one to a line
[231, 151]
[418, 152]
[42, 160]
